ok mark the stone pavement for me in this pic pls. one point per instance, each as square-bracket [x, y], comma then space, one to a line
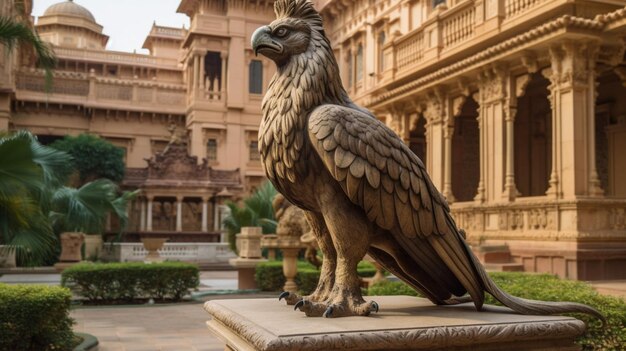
[175, 327]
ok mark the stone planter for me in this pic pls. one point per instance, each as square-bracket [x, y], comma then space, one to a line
[153, 245]
[93, 247]
[7, 257]
[71, 242]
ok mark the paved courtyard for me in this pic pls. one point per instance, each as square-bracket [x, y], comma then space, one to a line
[177, 327]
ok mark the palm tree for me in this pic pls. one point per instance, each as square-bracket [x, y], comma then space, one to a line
[257, 211]
[85, 209]
[27, 170]
[18, 31]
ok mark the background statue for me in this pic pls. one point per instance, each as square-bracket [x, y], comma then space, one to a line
[291, 222]
[361, 188]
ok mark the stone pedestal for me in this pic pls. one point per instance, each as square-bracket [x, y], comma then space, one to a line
[245, 271]
[71, 243]
[93, 246]
[403, 323]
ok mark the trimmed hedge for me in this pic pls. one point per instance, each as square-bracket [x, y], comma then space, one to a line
[547, 287]
[128, 282]
[269, 275]
[35, 318]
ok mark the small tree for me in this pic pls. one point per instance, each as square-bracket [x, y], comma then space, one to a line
[93, 157]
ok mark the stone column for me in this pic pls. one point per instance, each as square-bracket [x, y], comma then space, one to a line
[205, 209]
[435, 114]
[196, 73]
[201, 58]
[223, 79]
[510, 191]
[572, 98]
[493, 94]
[149, 214]
[179, 213]
[142, 216]
[448, 131]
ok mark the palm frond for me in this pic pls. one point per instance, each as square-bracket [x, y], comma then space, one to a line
[18, 171]
[83, 209]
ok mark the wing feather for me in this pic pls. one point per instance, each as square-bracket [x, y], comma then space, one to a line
[379, 173]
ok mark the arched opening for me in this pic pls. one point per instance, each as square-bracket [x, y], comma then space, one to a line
[533, 138]
[417, 138]
[466, 152]
[610, 135]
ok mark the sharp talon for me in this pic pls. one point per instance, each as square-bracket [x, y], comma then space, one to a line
[328, 313]
[298, 304]
[283, 295]
[375, 306]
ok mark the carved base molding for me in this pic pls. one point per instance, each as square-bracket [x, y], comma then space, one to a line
[580, 239]
[403, 323]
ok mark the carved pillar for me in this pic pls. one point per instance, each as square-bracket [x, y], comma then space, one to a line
[572, 98]
[179, 213]
[493, 100]
[196, 74]
[149, 214]
[223, 80]
[510, 192]
[142, 216]
[435, 114]
[448, 131]
[201, 76]
[205, 215]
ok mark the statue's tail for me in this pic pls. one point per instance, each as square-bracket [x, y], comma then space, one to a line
[525, 306]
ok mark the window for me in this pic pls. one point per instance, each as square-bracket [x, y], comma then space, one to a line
[381, 54]
[438, 2]
[359, 63]
[213, 71]
[254, 151]
[256, 77]
[211, 150]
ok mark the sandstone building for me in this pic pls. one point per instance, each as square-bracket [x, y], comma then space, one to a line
[517, 107]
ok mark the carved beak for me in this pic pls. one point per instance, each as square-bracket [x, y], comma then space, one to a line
[262, 40]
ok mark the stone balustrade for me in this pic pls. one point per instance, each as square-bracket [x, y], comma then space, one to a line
[98, 92]
[113, 57]
[448, 30]
[200, 253]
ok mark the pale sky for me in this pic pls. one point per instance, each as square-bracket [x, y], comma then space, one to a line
[126, 22]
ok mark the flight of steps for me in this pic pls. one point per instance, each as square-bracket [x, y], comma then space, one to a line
[497, 258]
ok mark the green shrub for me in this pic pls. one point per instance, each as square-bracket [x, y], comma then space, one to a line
[387, 287]
[550, 288]
[35, 318]
[126, 282]
[269, 275]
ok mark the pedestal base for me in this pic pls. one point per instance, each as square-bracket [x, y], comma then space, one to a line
[246, 268]
[61, 266]
[403, 323]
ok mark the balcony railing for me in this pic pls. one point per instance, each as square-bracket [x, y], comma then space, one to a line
[452, 29]
[113, 57]
[96, 91]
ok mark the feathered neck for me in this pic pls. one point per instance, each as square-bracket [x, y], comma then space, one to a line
[304, 82]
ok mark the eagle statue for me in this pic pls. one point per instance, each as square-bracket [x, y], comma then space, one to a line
[362, 190]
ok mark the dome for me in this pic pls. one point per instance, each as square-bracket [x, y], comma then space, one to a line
[69, 8]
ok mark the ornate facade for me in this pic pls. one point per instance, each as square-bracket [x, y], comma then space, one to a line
[203, 81]
[517, 108]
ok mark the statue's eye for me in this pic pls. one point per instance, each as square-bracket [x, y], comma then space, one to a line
[281, 32]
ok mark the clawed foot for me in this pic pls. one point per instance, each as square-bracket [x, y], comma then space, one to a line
[290, 298]
[336, 309]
